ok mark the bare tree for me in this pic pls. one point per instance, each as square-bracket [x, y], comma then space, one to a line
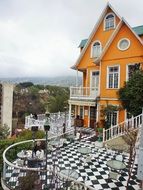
[130, 138]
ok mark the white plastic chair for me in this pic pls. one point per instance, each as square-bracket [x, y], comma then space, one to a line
[113, 175]
[20, 162]
[119, 157]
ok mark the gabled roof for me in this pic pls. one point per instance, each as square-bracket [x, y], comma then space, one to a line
[138, 30]
[114, 35]
[93, 32]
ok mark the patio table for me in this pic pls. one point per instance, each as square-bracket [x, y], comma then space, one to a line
[116, 164]
[84, 150]
[70, 173]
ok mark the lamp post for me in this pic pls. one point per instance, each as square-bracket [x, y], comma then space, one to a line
[34, 129]
[46, 128]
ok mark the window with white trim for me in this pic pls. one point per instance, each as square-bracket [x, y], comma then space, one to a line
[131, 69]
[112, 118]
[123, 44]
[109, 22]
[96, 49]
[113, 77]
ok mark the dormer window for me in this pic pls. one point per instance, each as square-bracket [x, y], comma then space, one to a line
[109, 21]
[96, 49]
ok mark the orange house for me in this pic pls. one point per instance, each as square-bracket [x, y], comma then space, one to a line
[107, 59]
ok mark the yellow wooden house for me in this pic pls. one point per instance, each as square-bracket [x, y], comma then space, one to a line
[105, 61]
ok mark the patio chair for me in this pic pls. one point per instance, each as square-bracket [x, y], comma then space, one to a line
[113, 175]
[20, 162]
[119, 157]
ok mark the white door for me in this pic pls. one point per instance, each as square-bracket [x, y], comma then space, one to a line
[94, 83]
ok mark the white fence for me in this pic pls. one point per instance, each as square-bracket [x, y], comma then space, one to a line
[56, 122]
[122, 128]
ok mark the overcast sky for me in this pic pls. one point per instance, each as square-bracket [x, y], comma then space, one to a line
[40, 37]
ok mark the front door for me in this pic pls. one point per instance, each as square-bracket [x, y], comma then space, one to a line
[92, 116]
[94, 83]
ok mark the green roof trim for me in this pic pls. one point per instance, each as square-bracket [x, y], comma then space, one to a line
[82, 43]
[138, 30]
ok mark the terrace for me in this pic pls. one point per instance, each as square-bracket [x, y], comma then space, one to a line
[91, 169]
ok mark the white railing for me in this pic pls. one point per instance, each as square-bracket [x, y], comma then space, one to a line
[56, 121]
[7, 165]
[122, 128]
[83, 93]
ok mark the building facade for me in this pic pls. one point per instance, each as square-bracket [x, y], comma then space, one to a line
[6, 105]
[107, 59]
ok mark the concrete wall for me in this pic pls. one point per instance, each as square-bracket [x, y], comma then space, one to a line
[7, 105]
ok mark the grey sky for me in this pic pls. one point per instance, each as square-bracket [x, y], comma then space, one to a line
[40, 37]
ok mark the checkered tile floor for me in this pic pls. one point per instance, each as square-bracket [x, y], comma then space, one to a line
[94, 174]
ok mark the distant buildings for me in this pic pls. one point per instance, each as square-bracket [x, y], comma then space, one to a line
[6, 104]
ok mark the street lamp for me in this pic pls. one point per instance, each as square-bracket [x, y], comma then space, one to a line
[46, 128]
[34, 129]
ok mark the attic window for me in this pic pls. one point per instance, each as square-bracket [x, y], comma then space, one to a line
[96, 49]
[109, 21]
[123, 44]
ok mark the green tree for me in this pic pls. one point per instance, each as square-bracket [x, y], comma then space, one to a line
[4, 131]
[131, 95]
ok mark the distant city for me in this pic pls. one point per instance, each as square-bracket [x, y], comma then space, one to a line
[65, 81]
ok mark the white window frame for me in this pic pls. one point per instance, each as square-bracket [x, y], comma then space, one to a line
[92, 71]
[92, 46]
[106, 29]
[107, 77]
[129, 43]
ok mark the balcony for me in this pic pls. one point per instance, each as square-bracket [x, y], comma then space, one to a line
[83, 93]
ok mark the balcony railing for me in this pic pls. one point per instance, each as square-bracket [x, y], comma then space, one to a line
[83, 93]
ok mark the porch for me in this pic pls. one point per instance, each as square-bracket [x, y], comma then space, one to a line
[83, 93]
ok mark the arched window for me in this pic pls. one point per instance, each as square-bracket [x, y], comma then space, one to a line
[109, 21]
[96, 49]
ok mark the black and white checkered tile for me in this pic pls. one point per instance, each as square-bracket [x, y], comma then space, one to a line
[94, 174]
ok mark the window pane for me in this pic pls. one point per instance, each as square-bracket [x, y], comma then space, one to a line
[110, 80]
[96, 49]
[112, 118]
[113, 77]
[116, 80]
[109, 21]
[132, 69]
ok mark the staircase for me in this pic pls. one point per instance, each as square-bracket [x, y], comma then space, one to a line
[120, 129]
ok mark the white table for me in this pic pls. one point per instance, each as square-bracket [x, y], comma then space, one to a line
[70, 173]
[116, 164]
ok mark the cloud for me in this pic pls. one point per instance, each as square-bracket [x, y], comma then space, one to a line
[40, 37]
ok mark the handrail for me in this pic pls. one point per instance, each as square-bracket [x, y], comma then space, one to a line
[120, 129]
[37, 169]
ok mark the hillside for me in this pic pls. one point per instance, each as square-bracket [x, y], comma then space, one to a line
[64, 81]
[37, 99]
